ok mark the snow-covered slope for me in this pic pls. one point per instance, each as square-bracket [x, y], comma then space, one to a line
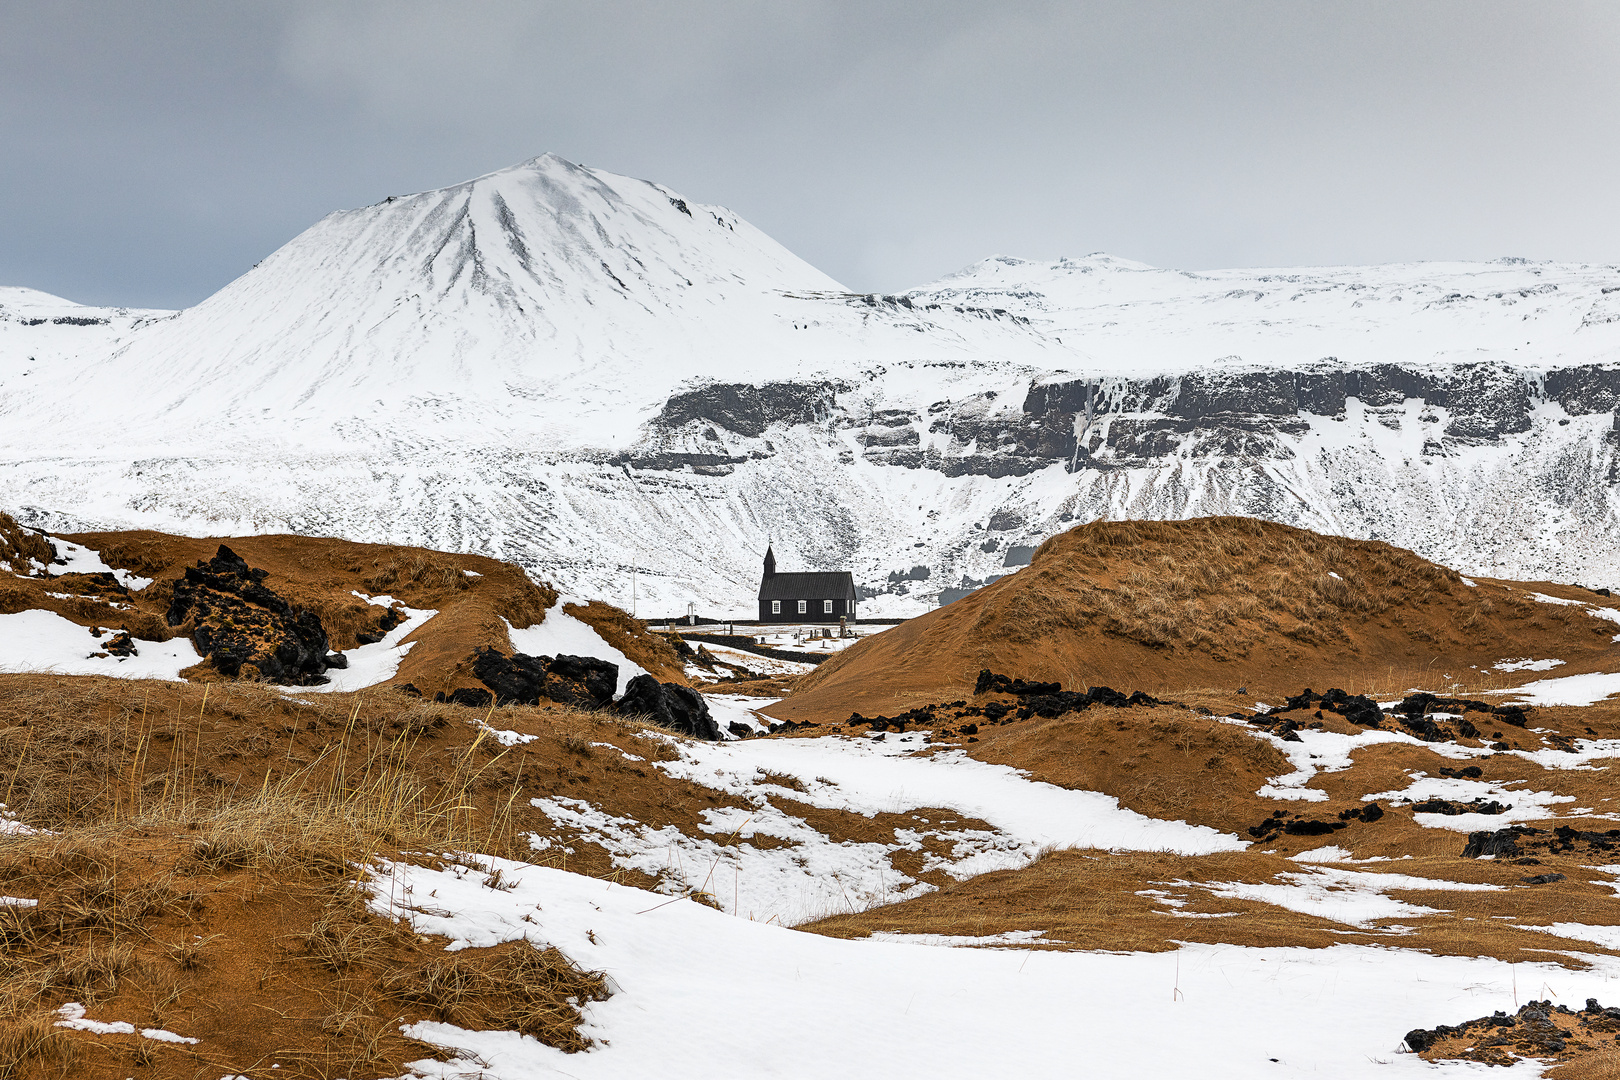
[606, 382]
[44, 336]
[1138, 319]
[548, 304]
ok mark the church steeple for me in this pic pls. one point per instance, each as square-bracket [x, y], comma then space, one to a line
[770, 561]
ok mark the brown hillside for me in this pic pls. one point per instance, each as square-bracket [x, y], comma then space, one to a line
[321, 575]
[196, 861]
[1212, 602]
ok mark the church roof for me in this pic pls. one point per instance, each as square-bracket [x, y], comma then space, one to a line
[831, 585]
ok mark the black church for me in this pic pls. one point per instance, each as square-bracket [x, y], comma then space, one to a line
[805, 598]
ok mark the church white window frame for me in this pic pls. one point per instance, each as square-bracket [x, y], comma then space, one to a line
[776, 607]
[804, 606]
[826, 607]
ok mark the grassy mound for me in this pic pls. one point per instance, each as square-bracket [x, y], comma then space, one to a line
[475, 596]
[1163, 606]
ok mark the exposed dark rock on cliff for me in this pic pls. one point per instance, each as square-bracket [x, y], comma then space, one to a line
[747, 409]
[1487, 401]
[1114, 422]
[1584, 390]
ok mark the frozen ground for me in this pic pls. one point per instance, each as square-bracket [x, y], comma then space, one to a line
[702, 994]
[44, 642]
[814, 875]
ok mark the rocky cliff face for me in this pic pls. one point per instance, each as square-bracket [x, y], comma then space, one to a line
[1485, 466]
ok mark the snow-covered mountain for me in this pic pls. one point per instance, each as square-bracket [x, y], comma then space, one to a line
[1137, 319]
[602, 380]
[41, 334]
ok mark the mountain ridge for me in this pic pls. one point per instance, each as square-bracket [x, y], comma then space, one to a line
[604, 381]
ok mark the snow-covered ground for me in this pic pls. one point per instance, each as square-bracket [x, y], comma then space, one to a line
[728, 709]
[44, 642]
[762, 665]
[559, 633]
[701, 994]
[814, 875]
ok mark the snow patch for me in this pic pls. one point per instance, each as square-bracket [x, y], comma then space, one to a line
[74, 558]
[1588, 689]
[728, 709]
[1526, 665]
[44, 642]
[377, 662]
[73, 1018]
[1524, 805]
[559, 633]
[1351, 897]
[1332, 853]
[1606, 936]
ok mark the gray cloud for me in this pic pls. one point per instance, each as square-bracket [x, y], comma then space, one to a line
[155, 151]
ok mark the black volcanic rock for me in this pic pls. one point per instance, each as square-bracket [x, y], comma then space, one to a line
[587, 681]
[581, 681]
[244, 627]
[669, 705]
[470, 696]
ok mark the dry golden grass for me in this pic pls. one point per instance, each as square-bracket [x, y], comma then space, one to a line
[322, 576]
[1223, 602]
[1166, 763]
[514, 988]
[149, 858]
[20, 548]
[1091, 899]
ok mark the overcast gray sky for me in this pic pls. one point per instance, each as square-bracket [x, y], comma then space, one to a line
[151, 152]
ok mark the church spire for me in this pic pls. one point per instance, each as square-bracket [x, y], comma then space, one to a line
[770, 560]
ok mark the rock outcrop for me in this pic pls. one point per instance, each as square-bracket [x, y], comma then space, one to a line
[243, 627]
[669, 705]
[581, 681]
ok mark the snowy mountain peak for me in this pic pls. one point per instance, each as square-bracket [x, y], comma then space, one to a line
[527, 299]
[520, 233]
